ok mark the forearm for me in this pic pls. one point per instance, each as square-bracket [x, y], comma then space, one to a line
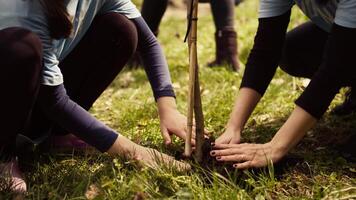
[260, 68]
[292, 131]
[153, 60]
[245, 103]
[58, 107]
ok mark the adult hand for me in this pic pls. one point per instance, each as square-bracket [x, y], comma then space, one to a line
[247, 155]
[172, 121]
[229, 137]
[245, 103]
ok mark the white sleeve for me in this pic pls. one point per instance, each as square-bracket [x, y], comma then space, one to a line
[37, 23]
[273, 8]
[346, 14]
[124, 7]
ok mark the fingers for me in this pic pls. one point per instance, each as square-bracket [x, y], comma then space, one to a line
[207, 133]
[222, 140]
[183, 135]
[244, 165]
[234, 158]
[166, 136]
[225, 152]
[227, 146]
[193, 142]
[194, 135]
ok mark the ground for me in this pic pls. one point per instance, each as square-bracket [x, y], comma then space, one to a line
[316, 169]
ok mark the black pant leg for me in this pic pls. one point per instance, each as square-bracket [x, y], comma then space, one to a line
[153, 11]
[99, 57]
[91, 66]
[303, 50]
[223, 13]
[21, 66]
[97, 60]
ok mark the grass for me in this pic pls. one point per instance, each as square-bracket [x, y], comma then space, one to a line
[128, 107]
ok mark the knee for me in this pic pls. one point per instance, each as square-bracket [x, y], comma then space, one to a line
[128, 36]
[121, 31]
[293, 69]
[286, 62]
[286, 66]
[21, 47]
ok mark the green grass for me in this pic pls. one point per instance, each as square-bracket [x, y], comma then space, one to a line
[128, 107]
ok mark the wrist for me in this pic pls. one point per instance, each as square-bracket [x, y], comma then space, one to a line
[231, 127]
[166, 104]
[279, 150]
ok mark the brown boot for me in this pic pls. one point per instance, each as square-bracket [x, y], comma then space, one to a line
[226, 49]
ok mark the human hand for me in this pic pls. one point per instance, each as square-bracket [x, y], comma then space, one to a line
[172, 121]
[229, 137]
[247, 155]
[145, 157]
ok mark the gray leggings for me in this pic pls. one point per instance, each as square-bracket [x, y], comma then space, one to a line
[223, 13]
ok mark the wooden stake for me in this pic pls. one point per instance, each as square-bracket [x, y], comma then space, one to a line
[194, 98]
[199, 120]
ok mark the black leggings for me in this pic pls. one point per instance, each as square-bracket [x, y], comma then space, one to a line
[92, 65]
[303, 50]
[87, 70]
[223, 13]
[21, 66]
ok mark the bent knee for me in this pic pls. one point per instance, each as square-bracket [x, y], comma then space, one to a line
[288, 68]
[120, 30]
[127, 34]
[286, 61]
[295, 68]
[19, 45]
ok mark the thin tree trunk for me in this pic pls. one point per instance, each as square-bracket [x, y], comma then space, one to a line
[193, 63]
[194, 97]
[199, 119]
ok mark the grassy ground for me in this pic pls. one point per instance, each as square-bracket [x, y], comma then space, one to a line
[128, 107]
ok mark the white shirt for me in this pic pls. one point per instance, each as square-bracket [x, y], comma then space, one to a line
[29, 14]
[341, 12]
